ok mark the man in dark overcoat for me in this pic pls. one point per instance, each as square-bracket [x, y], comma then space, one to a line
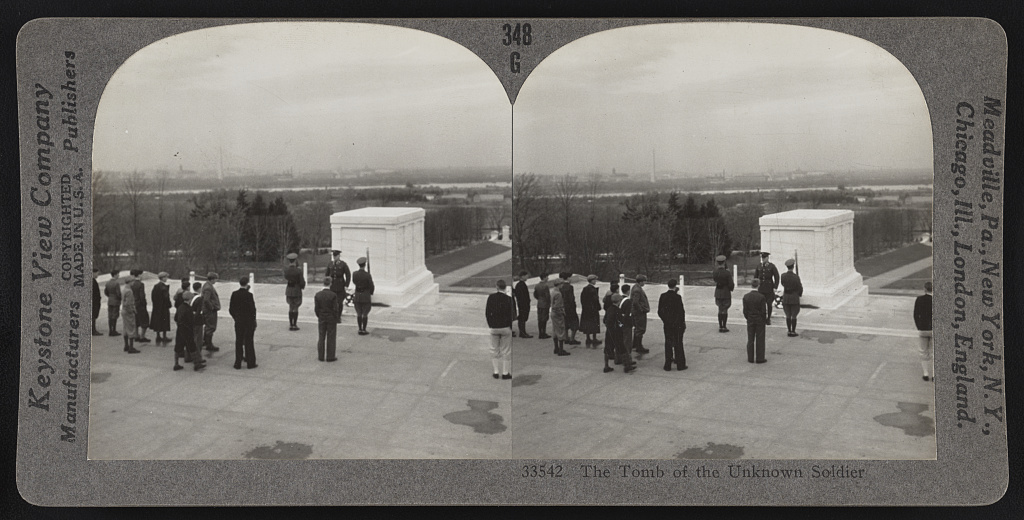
[242, 308]
[97, 301]
[211, 305]
[754, 310]
[521, 294]
[113, 291]
[326, 307]
[673, 317]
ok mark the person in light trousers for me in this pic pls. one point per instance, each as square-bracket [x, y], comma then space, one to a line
[499, 318]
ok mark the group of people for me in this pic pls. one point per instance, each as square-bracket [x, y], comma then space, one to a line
[626, 308]
[196, 306]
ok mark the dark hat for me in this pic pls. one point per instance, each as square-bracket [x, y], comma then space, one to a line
[361, 260]
[720, 258]
[336, 251]
[162, 275]
[641, 278]
[790, 262]
[764, 254]
[292, 256]
[211, 276]
[591, 277]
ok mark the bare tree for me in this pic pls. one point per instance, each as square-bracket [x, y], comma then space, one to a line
[525, 212]
[567, 192]
[134, 187]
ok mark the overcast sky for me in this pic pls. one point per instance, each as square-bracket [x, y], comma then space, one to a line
[741, 97]
[303, 95]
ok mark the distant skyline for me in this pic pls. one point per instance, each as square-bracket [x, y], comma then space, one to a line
[708, 97]
[304, 96]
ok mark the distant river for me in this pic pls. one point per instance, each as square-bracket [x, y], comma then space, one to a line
[891, 187]
[442, 185]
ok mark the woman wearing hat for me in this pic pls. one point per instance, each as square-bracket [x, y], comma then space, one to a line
[160, 321]
[590, 318]
[558, 332]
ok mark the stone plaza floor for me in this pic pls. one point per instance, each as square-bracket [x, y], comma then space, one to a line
[419, 386]
[849, 387]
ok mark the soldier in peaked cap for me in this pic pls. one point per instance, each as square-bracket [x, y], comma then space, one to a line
[792, 290]
[363, 295]
[767, 276]
[724, 286]
[293, 291]
[340, 277]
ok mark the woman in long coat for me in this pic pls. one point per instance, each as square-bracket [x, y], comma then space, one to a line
[590, 318]
[558, 331]
[160, 321]
[128, 318]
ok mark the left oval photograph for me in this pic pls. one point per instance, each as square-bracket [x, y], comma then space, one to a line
[297, 229]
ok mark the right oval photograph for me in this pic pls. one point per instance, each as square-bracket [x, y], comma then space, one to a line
[723, 236]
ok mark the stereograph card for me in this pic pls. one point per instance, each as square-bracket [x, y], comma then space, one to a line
[445, 155]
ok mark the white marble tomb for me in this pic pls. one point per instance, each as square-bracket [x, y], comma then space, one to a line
[821, 241]
[394, 239]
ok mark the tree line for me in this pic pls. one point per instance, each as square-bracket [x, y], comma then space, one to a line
[563, 223]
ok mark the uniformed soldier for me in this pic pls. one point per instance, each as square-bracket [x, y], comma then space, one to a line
[293, 292]
[767, 276]
[542, 292]
[724, 286]
[362, 297]
[792, 290]
[340, 276]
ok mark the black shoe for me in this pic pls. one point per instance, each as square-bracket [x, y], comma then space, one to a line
[543, 336]
[331, 359]
[212, 348]
[643, 350]
[133, 350]
[684, 367]
[506, 376]
[319, 359]
[254, 365]
[143, 340]
[608, 369]
[926, 378]
[562, 353]
[177, 367]
[668, 368]
[96, 333]
[292, 327]
[199, 365]
[725, 329]
[629, 368]
[525, 336]
[363, 333]
[496, 376]
[768, 322]
[115, 333]
[573, 342]
[596, 343]
[238, 366]
[761, 361]
[721, 329]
